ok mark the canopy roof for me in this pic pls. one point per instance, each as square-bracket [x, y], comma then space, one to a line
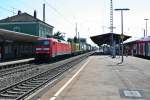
[16, 36]
[107, 38]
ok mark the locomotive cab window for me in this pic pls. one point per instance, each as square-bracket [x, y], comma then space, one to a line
[46, 43]
[43, 42]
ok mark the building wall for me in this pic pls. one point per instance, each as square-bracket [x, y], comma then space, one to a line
[24, 27]
[32, 28]
[45, 30]
[16, 50]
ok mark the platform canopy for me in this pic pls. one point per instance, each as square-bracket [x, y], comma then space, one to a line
[16, 36]
[107, 38]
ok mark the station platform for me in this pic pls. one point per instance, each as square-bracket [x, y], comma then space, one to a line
[16, 62]
[102, 78]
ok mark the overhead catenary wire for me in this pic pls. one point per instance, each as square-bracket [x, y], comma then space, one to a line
[60, 14]
[13, 9]
[3, 8]
[26, 4]
[55, 10]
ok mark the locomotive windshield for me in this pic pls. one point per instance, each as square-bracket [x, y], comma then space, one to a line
[43, 43]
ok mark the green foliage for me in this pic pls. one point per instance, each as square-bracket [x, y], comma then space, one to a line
[49, 36]
[76, 40]
[70, 40]
[59, 35]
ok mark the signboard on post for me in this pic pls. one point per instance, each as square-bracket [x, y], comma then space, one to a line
[122, 36]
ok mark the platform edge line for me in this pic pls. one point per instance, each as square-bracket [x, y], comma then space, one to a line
[69, 81]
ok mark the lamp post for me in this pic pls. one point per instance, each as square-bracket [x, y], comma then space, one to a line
[146, 27]
[122, 9]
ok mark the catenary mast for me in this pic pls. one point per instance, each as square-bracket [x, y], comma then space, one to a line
[111, 29]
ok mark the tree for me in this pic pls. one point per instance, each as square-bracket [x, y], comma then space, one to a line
[75, 39]
[70, 40]
[59, 35]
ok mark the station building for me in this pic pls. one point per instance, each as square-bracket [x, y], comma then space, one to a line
[19, 33]
[25, 23]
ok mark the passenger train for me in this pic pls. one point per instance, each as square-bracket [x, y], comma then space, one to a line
[139, 47]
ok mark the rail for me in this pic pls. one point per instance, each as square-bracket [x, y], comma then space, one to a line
[24, 88]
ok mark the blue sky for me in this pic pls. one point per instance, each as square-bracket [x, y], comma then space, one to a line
[92, 16]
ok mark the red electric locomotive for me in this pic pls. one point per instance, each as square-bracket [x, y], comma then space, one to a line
[50, 47]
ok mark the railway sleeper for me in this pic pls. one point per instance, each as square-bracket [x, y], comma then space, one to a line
[14, 92]
[20, 90]
[8, 97]
[37, 78]
[3, 97]
[17, 90]
[40, 80]
[21, 87]
[30, 85]
[27, 86]
[35, 82]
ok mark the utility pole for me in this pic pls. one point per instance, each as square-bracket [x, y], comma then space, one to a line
[122, 36]
[76, 30]
[79, 40]
[13, 11]
[146, 27]
[44, 12]
[144, 33]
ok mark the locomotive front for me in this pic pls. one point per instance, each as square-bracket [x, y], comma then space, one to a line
[43, 49]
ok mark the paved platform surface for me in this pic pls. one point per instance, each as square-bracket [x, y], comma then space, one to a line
[103, 79]
[16, 61]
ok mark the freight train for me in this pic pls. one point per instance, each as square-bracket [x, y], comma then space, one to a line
[139, 47]
[50, 47]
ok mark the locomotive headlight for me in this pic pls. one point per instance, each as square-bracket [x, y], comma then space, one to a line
[38, 48]
[45, 48]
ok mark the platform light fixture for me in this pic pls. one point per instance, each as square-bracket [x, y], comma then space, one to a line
[122, 36]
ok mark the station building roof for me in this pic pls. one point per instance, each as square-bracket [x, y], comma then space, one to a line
[107, 38]
[16, 36]
[23, 17]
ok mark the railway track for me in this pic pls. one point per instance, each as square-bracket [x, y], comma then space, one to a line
[26, 87]
[9, 68]
[15, 70]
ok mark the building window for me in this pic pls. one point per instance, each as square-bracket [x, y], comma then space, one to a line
[8, 49]
[16, 28]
